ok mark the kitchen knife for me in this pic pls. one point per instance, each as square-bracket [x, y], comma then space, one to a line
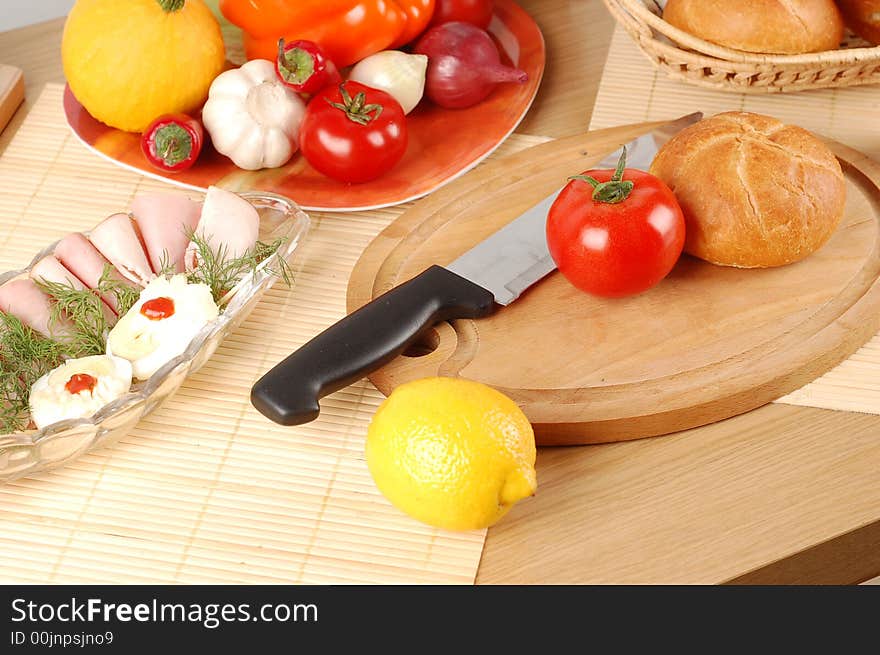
[492, 273]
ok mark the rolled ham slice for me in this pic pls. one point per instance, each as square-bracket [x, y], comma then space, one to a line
[24, 300]
[80, 257]
[50, 269]
[165, 222]
[228, 221]
[116, 238]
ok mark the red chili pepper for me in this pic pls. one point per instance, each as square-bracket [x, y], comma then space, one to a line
[80, 382]
[304, 67]
[159, 308]
[172, 142]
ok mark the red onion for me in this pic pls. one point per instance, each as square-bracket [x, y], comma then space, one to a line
[463, 65]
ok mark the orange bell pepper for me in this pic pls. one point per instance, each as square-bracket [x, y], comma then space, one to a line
[347, 30]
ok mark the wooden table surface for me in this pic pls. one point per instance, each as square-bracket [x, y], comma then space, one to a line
[783, 494]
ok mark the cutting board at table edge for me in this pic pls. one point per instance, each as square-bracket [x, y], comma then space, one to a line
[707, 343]
[11, 92]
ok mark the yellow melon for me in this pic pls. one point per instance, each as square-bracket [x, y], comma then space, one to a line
[130, 62]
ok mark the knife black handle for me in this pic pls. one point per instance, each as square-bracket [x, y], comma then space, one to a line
[364, 341]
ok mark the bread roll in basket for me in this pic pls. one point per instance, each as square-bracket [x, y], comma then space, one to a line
[686, 57]
[768, 26]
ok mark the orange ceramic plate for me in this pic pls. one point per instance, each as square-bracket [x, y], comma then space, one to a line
[443, 144]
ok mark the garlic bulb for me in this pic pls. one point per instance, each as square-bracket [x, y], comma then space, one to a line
[252, 117]
[400, 75]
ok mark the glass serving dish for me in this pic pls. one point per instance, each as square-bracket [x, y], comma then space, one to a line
[27, 452]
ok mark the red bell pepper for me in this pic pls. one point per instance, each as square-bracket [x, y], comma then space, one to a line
[347, 30]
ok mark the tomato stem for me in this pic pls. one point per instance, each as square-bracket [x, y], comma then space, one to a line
[614, 190]
[355, 108]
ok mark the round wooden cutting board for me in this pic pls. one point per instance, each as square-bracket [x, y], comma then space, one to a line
[707, 343]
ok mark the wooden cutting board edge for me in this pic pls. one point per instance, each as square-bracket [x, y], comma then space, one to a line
[11, 92]
[842, 335]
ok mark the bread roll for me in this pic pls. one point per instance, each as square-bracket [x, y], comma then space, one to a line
[771, 26]
[754, 192]
[862, 17]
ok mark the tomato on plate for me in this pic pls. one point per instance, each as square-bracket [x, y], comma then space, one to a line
[475, 12]
[353, 133]
[615, 233]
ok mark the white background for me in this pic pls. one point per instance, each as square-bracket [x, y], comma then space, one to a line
[16, 13]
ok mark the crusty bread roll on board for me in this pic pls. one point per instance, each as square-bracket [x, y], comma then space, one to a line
[770, 26]
[755, 192]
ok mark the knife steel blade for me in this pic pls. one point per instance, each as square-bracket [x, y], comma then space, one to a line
[492, 273]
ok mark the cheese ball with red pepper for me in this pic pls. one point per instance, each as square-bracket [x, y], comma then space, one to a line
[78, 388]
[161, 324]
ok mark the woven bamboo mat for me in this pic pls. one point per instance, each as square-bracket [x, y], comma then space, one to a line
[206, 490]
[632, 91]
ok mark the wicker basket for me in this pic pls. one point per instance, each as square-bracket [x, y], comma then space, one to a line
[686, 57]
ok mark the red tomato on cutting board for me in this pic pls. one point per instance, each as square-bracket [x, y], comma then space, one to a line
[619, 239]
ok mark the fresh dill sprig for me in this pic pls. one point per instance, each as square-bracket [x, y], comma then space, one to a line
[25, 356]
[213, 268]
[125, 294]
[82, 308]
[265, 250]
[221, 273]
[166, 266]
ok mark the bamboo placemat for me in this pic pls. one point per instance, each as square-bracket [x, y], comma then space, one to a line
[632, 91]
[206, 490]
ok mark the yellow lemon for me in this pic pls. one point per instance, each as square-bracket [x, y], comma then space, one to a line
[453, 453]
